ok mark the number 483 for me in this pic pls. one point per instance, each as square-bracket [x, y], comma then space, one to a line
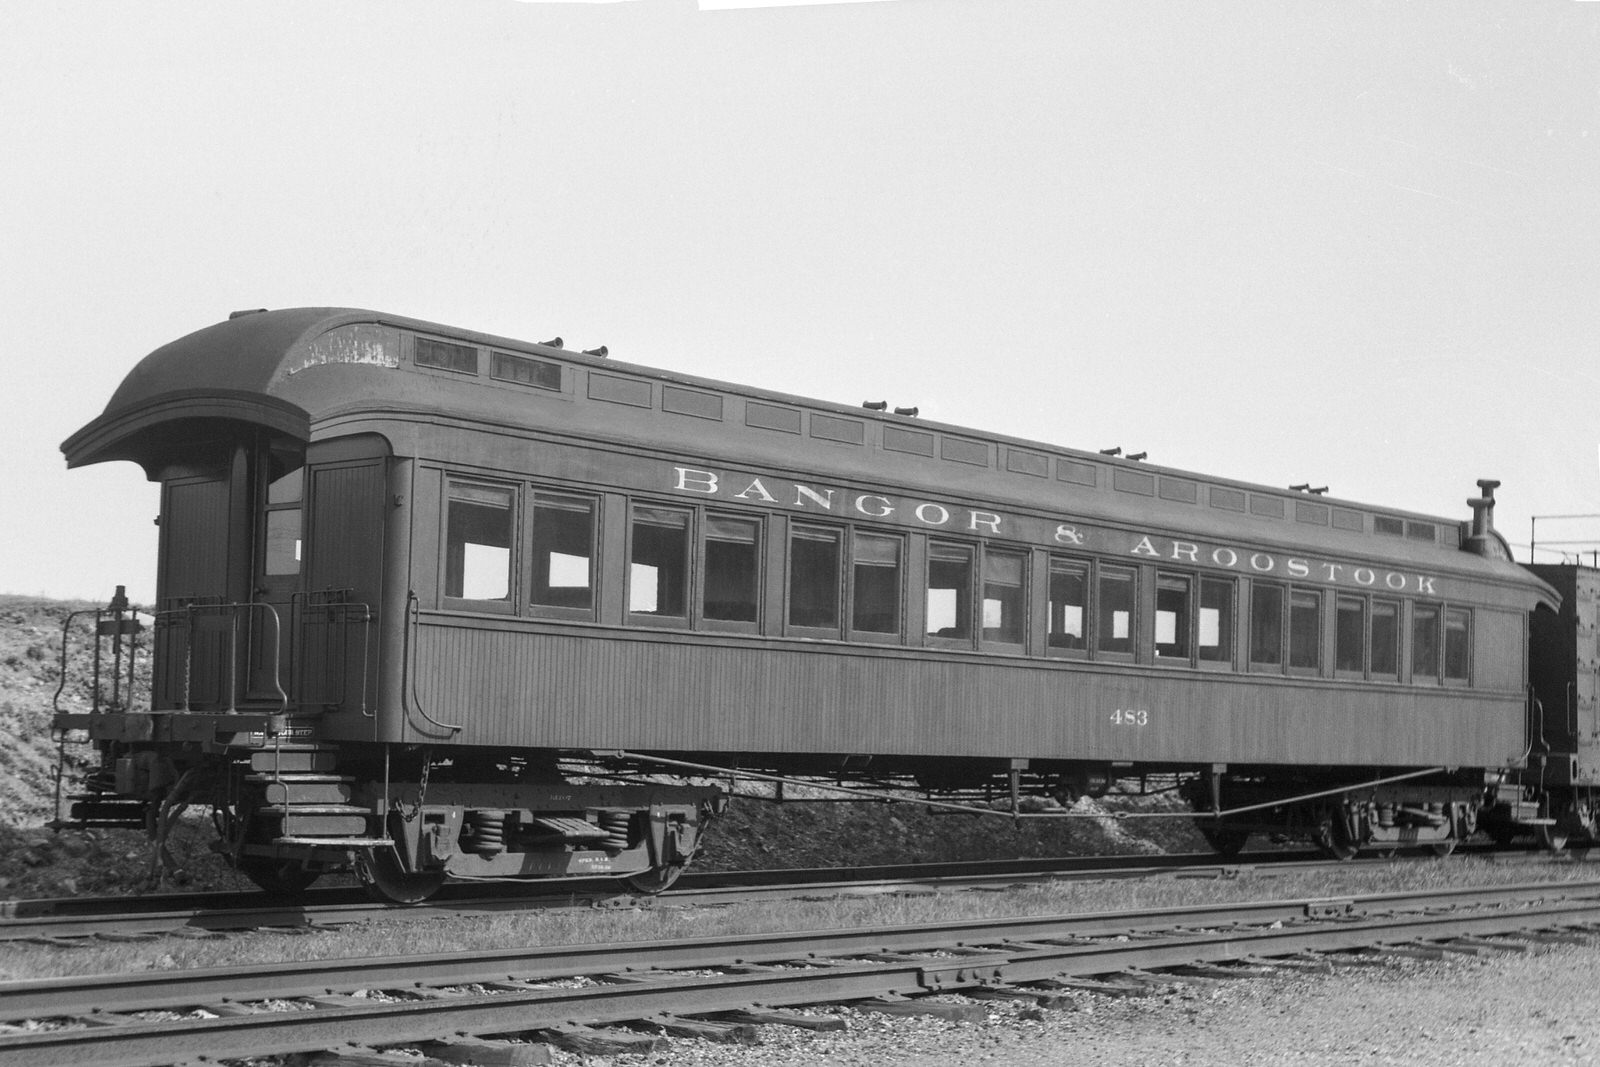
[1130, 717]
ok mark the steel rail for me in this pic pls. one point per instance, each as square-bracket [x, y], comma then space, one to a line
[121, 916]
[974, 958]
[146, 991]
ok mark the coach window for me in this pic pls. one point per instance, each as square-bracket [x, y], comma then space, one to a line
[732, 569]
[1425, 643]
[1173, 592]
[1266, 624]
[1114, 600]
[563, 551]
[1305, 630]
[658, 577]
[1069, 593]
[1004, 605]
[875, 584]
[478, 527]
[1457, 645]
[1215, 636]
[283, 523]
[1350, 635]
[950, 592]
[1384, 643]
[814, 571]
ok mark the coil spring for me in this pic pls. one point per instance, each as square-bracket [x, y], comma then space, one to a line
[618, 827]
[488, 832]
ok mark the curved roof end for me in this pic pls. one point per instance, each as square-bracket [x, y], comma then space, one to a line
[175, 426]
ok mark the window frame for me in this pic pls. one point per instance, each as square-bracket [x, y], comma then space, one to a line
[703, 620]
[1397, 613]
[1363, 636]
[1319, 601]
[969, 616]
[660, 620]
[1024, 591]
[902, 559]
[1436, 608]
[291, 509]
[596, 548]
[1280, 664]
[839, 534]
[1083, 566]
[1227, 628]
[418, 340]
[513, 492]
[1463, 680]
[1104, 572]
[1185, 625]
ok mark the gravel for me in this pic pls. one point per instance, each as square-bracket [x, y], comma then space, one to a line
[1503, 1009]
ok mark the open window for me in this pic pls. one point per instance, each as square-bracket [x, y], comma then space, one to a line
[658, 575]
[1005, 601]
[949, 593]
[562, 557]
[478, 524]
[1174, 598]
[1114, 611]
[1215, 623]
[1069, 606]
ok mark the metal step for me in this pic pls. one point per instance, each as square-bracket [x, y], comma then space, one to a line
[315, 809]
[298, 825]
[91, 812]
[571, 829]
[296, 793]
[294, 760]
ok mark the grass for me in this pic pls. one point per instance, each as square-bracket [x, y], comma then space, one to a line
[412, 933]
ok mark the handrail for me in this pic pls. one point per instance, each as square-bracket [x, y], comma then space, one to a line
[408, 676]
[234, 610]
[122, 618]
[334, 602]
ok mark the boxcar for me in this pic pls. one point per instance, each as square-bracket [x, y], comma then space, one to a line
[1556, 795]
[444, 605]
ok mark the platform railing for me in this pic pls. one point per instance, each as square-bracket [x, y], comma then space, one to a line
[185, 619]
[332, 641]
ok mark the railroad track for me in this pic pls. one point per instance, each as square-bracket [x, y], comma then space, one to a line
[563, 993]
[124, 917]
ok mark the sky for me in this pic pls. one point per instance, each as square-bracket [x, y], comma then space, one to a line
[1353, 244]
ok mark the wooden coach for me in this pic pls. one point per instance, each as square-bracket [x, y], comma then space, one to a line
[403, 550]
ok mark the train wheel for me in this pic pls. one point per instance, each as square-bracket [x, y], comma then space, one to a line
[1444, 848]
[1225, 841]
[1554, 838]
[389, 883]
[1333, 838]
[284, 878]
[655, 880]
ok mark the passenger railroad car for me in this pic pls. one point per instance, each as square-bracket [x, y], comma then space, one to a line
[421, 589]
